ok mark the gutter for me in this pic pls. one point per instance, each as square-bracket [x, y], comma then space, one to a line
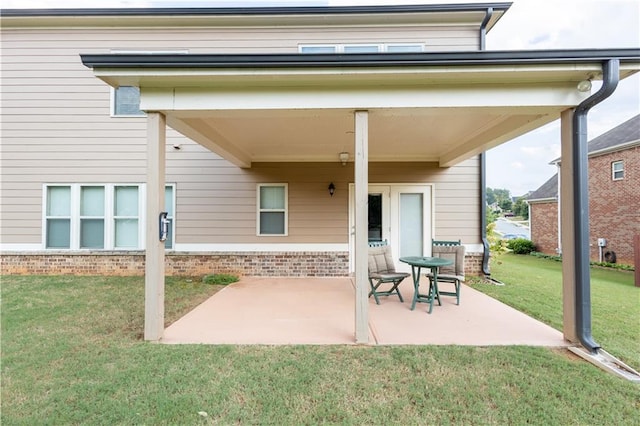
[610, 79]
[268, 10]
[486, 251]
[310, 60]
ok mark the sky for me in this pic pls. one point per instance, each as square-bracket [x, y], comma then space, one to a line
[522, 164]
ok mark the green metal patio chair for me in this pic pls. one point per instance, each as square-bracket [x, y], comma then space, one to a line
[383, 271]
[453, 274]
[445, 243]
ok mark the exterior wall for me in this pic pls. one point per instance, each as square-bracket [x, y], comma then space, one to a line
[614, 206]
[544, 226]
[614, 209]
[282, 264]
[57, 128]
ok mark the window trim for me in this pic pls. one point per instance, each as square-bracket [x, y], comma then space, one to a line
[285, 210]
[108, 217]
[614, 171]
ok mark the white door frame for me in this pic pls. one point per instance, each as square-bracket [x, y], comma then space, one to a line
[390, 215]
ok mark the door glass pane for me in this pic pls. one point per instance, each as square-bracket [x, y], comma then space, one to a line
[92, 233]
[272, 223]
[126, 201]
[272, 197]
[59, 201]
[58, 233]
[126, 233]
[375, 217]
[411, 225]
[92, 201]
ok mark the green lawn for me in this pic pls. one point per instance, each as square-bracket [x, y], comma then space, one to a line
[534, 286]
[72, 354]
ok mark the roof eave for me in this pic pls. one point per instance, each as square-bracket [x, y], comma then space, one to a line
[454, 14]
[628, 57]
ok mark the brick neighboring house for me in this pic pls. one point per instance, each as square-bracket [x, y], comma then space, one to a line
[614, 197]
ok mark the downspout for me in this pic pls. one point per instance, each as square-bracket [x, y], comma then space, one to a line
[610, 77]
[483, 28]
[483, 166]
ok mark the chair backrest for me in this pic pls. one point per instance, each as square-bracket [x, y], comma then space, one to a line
[445, 243]
[381, 260]
[454, 253]
[378, 243]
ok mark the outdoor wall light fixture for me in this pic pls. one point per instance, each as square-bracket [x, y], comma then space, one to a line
[584, 86]
[332, 189]
[344, 157]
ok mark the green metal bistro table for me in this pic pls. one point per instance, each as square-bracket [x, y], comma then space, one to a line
[417, 263]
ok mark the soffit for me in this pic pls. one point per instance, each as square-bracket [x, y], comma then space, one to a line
[443, 113]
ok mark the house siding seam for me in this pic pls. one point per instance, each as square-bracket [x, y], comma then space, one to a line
[282, 264]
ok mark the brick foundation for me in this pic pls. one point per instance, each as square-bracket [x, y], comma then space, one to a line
[283, 264]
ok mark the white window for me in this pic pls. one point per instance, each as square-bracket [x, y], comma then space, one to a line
[362, 48]
[404, 48]
[92, 217]
[126, 217]
[126, 102]
[617, 170]
[318, 49]
[58, 217]
[99, 217]
[272, 209]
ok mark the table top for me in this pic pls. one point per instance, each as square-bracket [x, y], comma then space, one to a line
[428, 262]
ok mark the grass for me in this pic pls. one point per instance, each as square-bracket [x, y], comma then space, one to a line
[72, 354]
[534, 286]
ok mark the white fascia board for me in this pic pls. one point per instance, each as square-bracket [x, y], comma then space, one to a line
[201, 99]
[621, 147]
[541, 200]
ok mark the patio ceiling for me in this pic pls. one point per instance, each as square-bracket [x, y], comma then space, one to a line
[422, 107]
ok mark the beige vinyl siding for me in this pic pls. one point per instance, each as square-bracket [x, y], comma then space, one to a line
[54, 43]
[57, 128]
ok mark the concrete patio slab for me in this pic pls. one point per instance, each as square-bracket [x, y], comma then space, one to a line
[318, 311]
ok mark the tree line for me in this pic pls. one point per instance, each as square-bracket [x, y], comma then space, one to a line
[501, 200]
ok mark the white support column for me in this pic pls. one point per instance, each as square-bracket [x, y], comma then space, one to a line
[566, 227]
[361, 216]
[154, 269]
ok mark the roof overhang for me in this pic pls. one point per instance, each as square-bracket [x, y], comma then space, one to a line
[452, 14]
[442, 107]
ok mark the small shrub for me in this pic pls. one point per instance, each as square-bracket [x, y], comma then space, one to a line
[620, 266]
[521, 246]
[220, 279]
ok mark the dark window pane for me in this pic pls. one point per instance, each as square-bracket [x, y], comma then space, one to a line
[375, 217]
[58, 233]
[272, 223]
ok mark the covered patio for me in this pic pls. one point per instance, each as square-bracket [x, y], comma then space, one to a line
[437, 107]
[319, 311]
